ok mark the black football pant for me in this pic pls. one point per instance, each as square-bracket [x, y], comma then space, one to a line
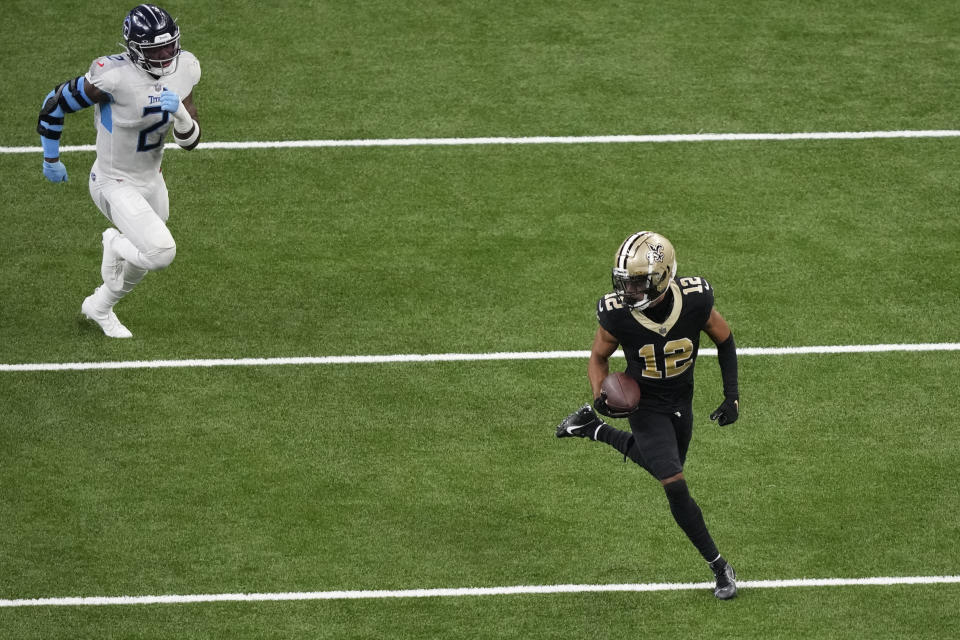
[658, 442]
[661, 440]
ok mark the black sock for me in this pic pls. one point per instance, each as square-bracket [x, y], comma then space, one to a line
[718, 564]
[622, 441]
[619, 440]
[688, 515]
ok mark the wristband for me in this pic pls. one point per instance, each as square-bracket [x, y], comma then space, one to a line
[187, 139]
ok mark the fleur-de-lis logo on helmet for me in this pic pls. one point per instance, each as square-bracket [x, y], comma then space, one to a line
[643, 268]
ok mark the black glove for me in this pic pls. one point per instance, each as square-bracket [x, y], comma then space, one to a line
[600, 404]
[727, 413]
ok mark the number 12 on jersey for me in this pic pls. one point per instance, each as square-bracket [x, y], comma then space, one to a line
[693, 285]
[677, 356]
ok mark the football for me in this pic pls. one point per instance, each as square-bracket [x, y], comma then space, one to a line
[622, 391]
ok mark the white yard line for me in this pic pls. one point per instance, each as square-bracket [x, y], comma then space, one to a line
[462, 592]
[607, 139]
[452, 357]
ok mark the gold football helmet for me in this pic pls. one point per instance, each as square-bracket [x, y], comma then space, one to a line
[642, 270]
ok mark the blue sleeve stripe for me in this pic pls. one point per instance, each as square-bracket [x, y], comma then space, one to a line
[106, 117]
[65, 98]
[77, 90]
[49, 124]
[70, 97]
[50, 105]
[69, 103]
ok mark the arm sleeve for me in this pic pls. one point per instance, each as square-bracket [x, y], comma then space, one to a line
[67, 97]
[727, 355]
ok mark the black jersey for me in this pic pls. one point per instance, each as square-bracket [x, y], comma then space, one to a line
[661, 345]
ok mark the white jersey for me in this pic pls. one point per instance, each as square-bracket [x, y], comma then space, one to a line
[132, 127]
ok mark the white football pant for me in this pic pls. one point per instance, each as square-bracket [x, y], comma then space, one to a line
[140, 214]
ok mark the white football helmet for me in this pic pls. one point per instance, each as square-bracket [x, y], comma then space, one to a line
[642, 270]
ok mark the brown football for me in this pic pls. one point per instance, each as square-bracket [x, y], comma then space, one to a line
[622, 391]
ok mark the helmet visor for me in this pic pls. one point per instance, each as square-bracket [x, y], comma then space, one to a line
[161, 54]
[634, 290]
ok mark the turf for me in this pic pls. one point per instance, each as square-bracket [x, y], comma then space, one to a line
[429, 475]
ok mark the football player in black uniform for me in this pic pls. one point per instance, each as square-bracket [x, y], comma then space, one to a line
[657, 318]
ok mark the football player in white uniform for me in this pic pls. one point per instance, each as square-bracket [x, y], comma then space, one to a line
[137, 96]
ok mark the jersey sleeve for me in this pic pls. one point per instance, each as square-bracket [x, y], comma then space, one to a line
[101, 76]
[608, 311]
[705, 301]
[191, 68]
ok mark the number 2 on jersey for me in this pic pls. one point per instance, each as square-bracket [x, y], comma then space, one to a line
[142, 143]
[677, 356]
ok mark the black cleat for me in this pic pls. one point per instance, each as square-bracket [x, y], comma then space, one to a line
[582, 423]
[726, 579]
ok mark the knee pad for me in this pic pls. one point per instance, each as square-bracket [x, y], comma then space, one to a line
[160, 258]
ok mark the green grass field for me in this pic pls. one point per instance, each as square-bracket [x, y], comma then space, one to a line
[328, 477]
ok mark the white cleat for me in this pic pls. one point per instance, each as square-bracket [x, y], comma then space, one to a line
[111, 268]
[107, 320]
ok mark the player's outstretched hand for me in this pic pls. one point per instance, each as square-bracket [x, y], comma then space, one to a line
[726, 413]
[169, 101]
[55, 171]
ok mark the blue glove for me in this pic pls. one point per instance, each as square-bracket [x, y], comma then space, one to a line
[169, 101]
[55, 171]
